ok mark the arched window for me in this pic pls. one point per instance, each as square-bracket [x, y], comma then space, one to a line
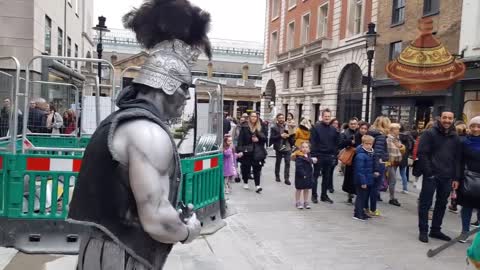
[350, 94]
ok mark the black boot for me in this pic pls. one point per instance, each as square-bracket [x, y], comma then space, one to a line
[423, 237]
[326, 199]
[287, 182]
[440, 235]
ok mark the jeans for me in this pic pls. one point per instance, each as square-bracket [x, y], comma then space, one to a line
[324, 166]
[278, 162]
[404, 175]
[392, 181]
[466, 214]
[375, 193]
[430, 185]
[246, 167]
[362, 197]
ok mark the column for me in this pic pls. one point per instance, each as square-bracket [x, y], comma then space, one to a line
[234, 108]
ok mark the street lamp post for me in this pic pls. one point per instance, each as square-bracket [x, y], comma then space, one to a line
[101, 28]
[371, 38]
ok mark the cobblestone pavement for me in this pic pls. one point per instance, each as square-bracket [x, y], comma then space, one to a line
[269, 233]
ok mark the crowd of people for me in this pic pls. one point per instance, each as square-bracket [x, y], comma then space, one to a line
[43, 117]
[446, 154]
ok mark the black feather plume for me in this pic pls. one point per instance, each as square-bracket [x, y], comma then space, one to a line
[159, 20]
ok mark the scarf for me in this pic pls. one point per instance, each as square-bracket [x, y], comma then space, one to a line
[473, 142]
[394, 153]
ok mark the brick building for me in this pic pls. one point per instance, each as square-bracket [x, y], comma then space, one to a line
[315, 56]
[397, 27]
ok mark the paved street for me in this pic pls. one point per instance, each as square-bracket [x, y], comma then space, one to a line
[269, 233]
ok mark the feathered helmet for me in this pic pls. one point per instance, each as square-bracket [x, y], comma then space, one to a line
[175, 33]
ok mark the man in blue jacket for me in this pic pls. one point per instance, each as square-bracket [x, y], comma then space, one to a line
[324, 140]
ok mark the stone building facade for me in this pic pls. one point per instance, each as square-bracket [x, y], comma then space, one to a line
[315, 57]
[397, 27]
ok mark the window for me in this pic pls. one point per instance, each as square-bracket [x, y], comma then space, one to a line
[395, 49]
[291, 36]
[355, 20]
[292, 3]
[69, 47]
[275, 9]
[322, 28]
[305, 28]
[317, 74]
[431, 7]
[316, 115]
[76, 55]
[273, 47]
[48, 35]
[60, 42]
[398, 14]
[300, 77]
[286, 80]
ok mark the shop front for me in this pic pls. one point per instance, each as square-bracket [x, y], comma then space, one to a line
[410, 108]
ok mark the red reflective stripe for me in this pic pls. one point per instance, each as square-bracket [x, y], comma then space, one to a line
[77, 164]
[38, 164]
[214, 163]
[1, 163]
[198, 165]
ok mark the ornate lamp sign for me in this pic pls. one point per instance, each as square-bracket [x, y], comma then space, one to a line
[425, 65]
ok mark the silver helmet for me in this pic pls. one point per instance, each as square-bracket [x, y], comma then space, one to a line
[168, 66]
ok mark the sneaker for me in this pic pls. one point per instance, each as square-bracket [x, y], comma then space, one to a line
[463, 237]
[376, 213]
[394, 202]
[299, 205]
[355, 217]
[259, 189]
[326, 199]
[287, 182]
[440, 235]
[475, 224]
[423, 237]
[306, 205]
[314, 200]
[405, 191]
[367, 217]
[245, 186]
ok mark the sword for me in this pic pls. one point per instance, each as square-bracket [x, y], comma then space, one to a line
[433, 252]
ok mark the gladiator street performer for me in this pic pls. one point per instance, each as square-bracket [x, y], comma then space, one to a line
[128, 184]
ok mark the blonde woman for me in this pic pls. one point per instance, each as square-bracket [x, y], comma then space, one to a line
[302, 134]
[395, 153]
[379, 131]
[251, 142]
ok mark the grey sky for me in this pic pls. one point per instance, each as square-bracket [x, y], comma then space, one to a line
[231, 19]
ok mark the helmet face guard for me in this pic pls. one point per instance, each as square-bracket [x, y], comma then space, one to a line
[168, 66]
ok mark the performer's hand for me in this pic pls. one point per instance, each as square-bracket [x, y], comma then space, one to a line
[194, 227]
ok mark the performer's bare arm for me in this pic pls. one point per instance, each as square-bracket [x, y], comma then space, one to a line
[147, 151]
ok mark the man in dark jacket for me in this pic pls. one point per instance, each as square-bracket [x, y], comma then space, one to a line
[438, 155]
[226, 124]
[324, 141]
[282, 144]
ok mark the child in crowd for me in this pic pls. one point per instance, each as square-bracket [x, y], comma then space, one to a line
[303, 175]
[229, 162]
[365, 170]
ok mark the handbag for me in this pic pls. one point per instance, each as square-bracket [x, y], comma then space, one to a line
[346, 155]
[471, 185]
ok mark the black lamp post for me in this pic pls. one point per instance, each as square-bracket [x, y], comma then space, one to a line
[371, 38]
[101, 28]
